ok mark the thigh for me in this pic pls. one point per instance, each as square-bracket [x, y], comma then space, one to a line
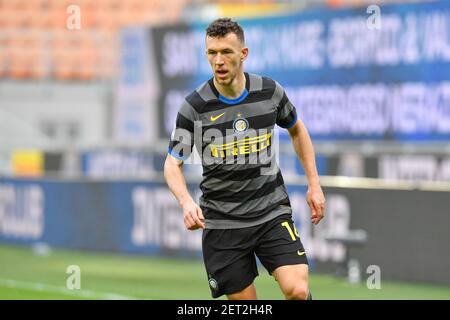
[280, 245]
[293, 280]
[248, 293]
[229, 260]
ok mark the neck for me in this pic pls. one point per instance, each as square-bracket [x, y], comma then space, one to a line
[234, 89]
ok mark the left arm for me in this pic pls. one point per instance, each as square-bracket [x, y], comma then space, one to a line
[305, 151]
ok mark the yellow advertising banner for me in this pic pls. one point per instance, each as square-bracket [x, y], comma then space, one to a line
[29, 163]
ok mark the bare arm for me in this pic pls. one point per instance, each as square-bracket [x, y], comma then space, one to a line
[304, 148]
[173, 173]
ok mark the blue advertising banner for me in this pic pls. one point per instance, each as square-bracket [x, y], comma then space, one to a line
[112, 216]
[135, 217]
[119, 163]
[144, 218]
[350, 78]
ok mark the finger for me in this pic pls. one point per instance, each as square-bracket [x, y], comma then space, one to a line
[187, 223]
[318, 219]
[200, 214]
[201, 217]
[317, 205]
[320, 208]
[319, 213]
[310, 204]
[322, 213]
[313, 212]
[189, 220]
[321, 204]
[197, 220]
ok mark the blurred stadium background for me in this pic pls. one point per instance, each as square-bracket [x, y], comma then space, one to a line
[88, 95]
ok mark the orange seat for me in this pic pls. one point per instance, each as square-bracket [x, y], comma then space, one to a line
[4, 60]
[35, 63]
[39, 42]
[84, 67]
[18, 67]
[58, 18]
[62, 69]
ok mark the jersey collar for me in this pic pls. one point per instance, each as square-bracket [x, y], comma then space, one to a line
[235, 100]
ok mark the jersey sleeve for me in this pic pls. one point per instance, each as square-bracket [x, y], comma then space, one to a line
[182, 138]
[286, 112]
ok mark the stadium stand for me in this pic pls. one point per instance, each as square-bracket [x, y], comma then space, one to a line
[36, 41]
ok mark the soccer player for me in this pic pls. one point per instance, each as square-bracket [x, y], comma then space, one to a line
[244, 208]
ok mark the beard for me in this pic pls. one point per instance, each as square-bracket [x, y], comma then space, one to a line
[227, 80]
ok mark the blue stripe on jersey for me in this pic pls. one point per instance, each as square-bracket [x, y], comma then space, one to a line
[236, 100]
[175, 155]
[290, 125]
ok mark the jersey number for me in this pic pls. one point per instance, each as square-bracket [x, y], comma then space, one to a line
[288, 227]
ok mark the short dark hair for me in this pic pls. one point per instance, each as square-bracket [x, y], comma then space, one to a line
[223, 26]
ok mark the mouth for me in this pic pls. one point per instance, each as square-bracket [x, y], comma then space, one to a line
[221, 73]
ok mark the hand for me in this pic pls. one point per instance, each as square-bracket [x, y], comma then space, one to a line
[316, 202]
[193, 216]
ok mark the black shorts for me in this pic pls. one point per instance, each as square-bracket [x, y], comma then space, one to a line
[229, 255]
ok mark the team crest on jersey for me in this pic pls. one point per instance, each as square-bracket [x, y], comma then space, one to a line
[213, 283]
[240, 125]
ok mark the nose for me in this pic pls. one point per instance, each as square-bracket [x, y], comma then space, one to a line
[218, 60]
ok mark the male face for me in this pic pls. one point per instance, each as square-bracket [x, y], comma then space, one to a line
[225, 55]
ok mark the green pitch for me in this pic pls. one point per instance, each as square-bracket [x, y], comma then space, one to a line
[25, 275]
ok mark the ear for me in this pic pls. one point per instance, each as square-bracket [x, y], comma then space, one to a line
[244, 53]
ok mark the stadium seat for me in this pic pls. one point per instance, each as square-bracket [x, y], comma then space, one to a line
[46, 21]
[4, 61]
[18, 68]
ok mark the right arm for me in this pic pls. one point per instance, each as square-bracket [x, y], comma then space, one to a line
[173, 173]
